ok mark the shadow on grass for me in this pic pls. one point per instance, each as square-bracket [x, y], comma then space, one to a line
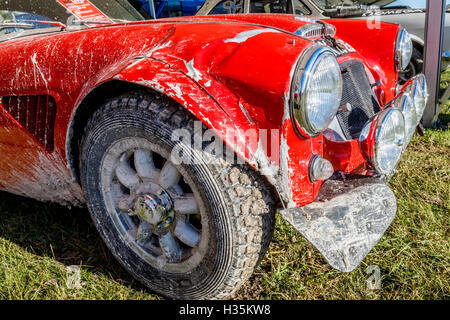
[443, 121]
[66, 235]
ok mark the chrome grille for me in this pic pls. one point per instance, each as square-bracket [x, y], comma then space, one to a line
[359, 96]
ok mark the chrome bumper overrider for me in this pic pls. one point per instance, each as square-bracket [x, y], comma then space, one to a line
[346, 220]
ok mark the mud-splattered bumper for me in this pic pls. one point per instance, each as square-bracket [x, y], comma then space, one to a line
[347, 219]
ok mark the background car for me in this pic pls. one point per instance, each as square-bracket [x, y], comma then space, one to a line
[167, 8]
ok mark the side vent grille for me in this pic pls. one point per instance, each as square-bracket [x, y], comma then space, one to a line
[36, 114]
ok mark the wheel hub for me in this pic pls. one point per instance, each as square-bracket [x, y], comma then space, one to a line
[152, 206]
[155, 210]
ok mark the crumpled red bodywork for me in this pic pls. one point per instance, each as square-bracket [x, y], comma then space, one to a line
[232, 72]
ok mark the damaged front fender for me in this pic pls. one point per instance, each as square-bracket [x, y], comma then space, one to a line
[172, 82]
[246, 110]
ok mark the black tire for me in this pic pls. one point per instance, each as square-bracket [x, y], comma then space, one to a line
[415, 66]
[238, 201]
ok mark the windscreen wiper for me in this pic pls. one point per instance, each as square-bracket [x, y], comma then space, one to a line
[9, 24]
[51, 23]
[92, 22]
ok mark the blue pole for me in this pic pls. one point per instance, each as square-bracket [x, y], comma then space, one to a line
[161, 7]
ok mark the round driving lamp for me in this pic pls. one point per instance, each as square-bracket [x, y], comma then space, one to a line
[403, 50]
[406, 105]
[320, 169]
[420, 95]
[382, 140]
[316, 92]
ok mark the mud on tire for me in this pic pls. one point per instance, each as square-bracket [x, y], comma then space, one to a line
[237, 202]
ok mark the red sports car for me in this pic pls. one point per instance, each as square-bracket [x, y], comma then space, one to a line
[183, 136]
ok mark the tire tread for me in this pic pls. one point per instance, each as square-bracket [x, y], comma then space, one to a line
[247, 194]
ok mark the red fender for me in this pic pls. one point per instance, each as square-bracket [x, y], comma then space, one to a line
[376, 43]
[161, 77]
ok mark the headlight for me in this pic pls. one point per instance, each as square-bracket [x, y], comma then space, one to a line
[316, 92]
[406, 105]
[418, 91]
[382, 140]
[403, 50]
[420, 95]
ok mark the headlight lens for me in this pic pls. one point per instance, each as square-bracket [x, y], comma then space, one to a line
[316, 92]
[420, 95]
[385, 135]
[404, 49]
[389, 141]
[406, 105]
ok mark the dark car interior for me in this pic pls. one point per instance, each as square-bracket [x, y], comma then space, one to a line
[270, 6]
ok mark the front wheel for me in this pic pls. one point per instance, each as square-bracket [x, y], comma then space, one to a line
[188, 231]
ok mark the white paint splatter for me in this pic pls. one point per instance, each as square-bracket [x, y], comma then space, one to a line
[192, 72]
[245, 35]
[36, 66]
[244, 111]
[267, 168]
[286, 172]
[175, 87]
[286, 111]
[157, 48]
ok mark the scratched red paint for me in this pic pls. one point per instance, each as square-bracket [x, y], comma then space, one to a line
[190, 60]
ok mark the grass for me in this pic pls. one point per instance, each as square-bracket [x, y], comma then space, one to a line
[39, 241]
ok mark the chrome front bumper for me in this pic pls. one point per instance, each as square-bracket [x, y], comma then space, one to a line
[347, 219]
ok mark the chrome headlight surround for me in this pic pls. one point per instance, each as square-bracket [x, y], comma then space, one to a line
[403, 50]
[382, 140]
[313, 105]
